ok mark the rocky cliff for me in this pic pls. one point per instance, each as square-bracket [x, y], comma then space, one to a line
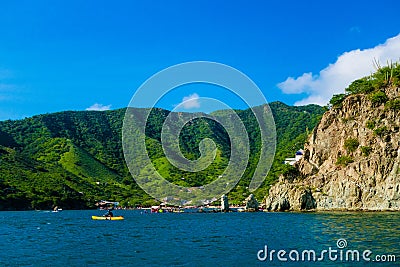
[351, 159]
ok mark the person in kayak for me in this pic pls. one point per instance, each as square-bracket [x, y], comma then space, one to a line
[109, 213]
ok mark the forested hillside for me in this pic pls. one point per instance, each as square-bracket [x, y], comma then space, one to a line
[73, 159]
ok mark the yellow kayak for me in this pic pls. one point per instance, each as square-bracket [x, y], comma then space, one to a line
[116, 218]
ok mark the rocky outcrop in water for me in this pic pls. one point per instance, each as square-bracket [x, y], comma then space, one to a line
[251, 203]
[224, 203]
[351, 160]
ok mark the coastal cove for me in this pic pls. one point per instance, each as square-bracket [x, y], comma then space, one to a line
[189, 239]
[199, 134]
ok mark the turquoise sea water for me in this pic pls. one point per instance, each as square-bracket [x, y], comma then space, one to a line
[38, 238]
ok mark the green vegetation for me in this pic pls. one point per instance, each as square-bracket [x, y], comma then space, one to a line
[381, 131]
[386, 76]
[290, 172]
[361, 86]
[370, 124]
[73, 159]
[351, 144]
[293, 125]
[77, 161]
[366, 150]
[372, 85]
[393, 104]
[383, 77]
[344, 160]
[345, 120]
[337, 100]
[378, 98]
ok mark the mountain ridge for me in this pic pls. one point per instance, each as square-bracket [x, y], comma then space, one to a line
[46, 159]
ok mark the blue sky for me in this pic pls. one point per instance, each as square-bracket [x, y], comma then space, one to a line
[73, 55]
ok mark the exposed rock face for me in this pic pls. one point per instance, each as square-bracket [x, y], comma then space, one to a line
[224, 203]
[251, 203]
[369, 176]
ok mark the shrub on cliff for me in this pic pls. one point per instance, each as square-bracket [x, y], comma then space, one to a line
[393, 104]
[378, 98]
[385, 76]
[361, 86]
[337, 100]
[290, 172]
[370, 124]
[344, 160]
[366, 150]
[351, 144]
[381, 131]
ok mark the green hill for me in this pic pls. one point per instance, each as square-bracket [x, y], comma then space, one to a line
[73, 159]
[81, 163]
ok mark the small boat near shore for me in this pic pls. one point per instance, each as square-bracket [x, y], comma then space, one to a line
[115, 218]
[57, 209]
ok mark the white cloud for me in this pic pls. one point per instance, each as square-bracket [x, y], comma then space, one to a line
[99, 107]
[337, 76]
[190, 101]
